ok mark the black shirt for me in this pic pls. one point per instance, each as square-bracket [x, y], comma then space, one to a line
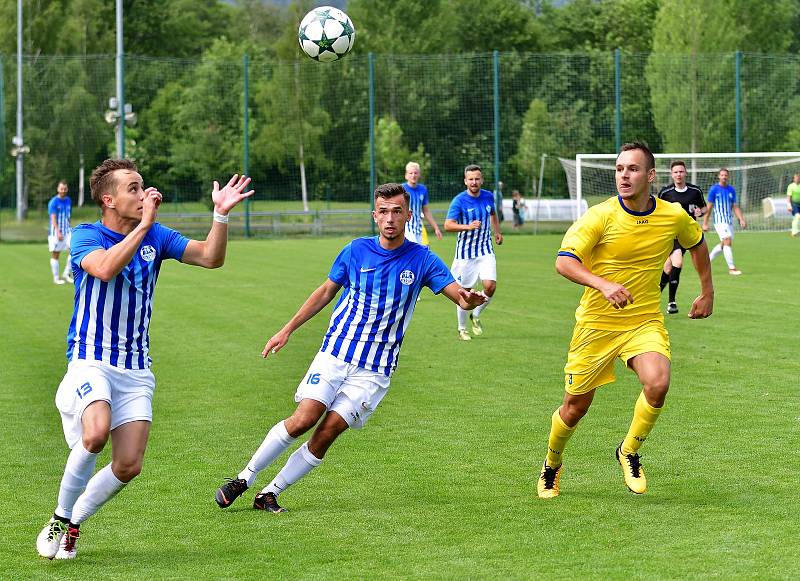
[689, 199]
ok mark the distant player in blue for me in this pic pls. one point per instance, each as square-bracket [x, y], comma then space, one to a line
[722, 205]
[382, 277]
[108, 387]
[473, 215]
[59, 210]
[418, 204]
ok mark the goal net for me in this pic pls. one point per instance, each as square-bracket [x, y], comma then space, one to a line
[760, 180]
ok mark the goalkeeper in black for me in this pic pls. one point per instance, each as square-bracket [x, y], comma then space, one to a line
[690, 197]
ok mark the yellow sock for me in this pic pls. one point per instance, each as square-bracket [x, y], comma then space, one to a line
[560, 433]
[644, 418]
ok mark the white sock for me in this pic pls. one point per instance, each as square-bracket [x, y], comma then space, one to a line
[277, 440]
[300, 463]
[54, 268]
[727, 251]
[462, 318]
[715, 252]
[101, 488]
[67, 269]
[478, 310]
[77, 472]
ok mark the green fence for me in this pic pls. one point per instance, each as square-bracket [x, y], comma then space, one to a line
[331, 130]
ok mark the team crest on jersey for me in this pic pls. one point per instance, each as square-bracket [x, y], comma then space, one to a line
[488, 208]
[148, 253]
[407, 277]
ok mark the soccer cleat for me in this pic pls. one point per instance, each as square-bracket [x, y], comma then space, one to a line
[230, 491]
[67, 548]
[734, 271]
[68, 277]
[267, 501]
[672, 308]
[59, 281]
[477, 329]
[48, 540]
[463, 335]
[632, 471]
[547, 487]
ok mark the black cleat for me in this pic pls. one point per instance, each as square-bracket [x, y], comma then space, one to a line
[672, 308]
[267, 501]
[230, 491]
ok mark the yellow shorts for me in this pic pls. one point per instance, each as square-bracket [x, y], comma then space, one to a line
[590, 362]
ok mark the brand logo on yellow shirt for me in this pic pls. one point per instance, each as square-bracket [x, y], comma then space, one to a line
[642, 221]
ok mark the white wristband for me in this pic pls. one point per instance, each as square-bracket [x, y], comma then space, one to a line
[220, 218]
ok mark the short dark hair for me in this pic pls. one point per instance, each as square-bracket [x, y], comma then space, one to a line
[390, 191]
[642, 146]
[63, 181]
[102, 180]
[472, 167]
[723, 169]
[677, 162]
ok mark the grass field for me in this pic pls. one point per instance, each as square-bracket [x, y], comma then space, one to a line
[441, 482]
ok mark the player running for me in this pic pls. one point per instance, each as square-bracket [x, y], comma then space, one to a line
[690, 197]
[382, 277]
[616, 250]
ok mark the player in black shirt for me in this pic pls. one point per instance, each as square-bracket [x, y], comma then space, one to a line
[690, 197]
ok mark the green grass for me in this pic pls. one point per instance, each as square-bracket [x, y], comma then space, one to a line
[441, 482]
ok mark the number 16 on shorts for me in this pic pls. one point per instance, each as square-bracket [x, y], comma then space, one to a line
[313, 379]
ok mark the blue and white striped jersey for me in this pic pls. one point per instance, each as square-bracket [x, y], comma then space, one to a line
[380, 290]
[723, 199]
[418, 197]
[111, 319]
[62, 208]
[464, 209]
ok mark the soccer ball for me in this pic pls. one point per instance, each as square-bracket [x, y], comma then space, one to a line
[326, 34]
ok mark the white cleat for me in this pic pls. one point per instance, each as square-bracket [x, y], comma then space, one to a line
[734, 271]
[68, 277]
[59, 281]
[463, 335]
[67, 548]
[49, 539]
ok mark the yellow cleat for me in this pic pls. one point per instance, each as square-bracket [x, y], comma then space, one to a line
[477, 329]
[547, 486]
[632, 471]
[463, 335]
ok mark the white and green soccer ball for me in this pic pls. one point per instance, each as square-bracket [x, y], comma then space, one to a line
[326, 34]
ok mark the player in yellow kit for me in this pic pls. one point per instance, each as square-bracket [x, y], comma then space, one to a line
[617, 250]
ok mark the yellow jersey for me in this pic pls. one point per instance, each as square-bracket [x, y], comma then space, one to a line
[628, 248]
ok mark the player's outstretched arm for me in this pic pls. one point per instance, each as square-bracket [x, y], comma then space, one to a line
[210, 253]
[432, 221]
[316, 301]
[498, 236]
[464, 298]
[703, 305]
[574, 270]
[106, 264]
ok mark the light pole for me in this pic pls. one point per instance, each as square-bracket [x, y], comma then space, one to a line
[121, 106]
[20, 149]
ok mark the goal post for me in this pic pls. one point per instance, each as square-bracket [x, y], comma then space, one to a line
[760, 179]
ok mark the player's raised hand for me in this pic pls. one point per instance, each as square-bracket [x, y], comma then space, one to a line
[702, 307]
[616, 294]
[233, 193]
[150, 203]
[275, 344]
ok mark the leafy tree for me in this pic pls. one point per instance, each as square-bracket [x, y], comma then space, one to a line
[391, 152]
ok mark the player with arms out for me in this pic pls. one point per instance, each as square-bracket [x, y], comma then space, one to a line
[473, 215]
[382, 277]
[418, 204]
[616, 250]
[722, 204]
[690, 197]
[59, 209]
[108, 388]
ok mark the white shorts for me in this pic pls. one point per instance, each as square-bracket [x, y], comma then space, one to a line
[351, 391]
[467, 271]
[724, 230]
[129, 392]
[413, 237]
[56, 245]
